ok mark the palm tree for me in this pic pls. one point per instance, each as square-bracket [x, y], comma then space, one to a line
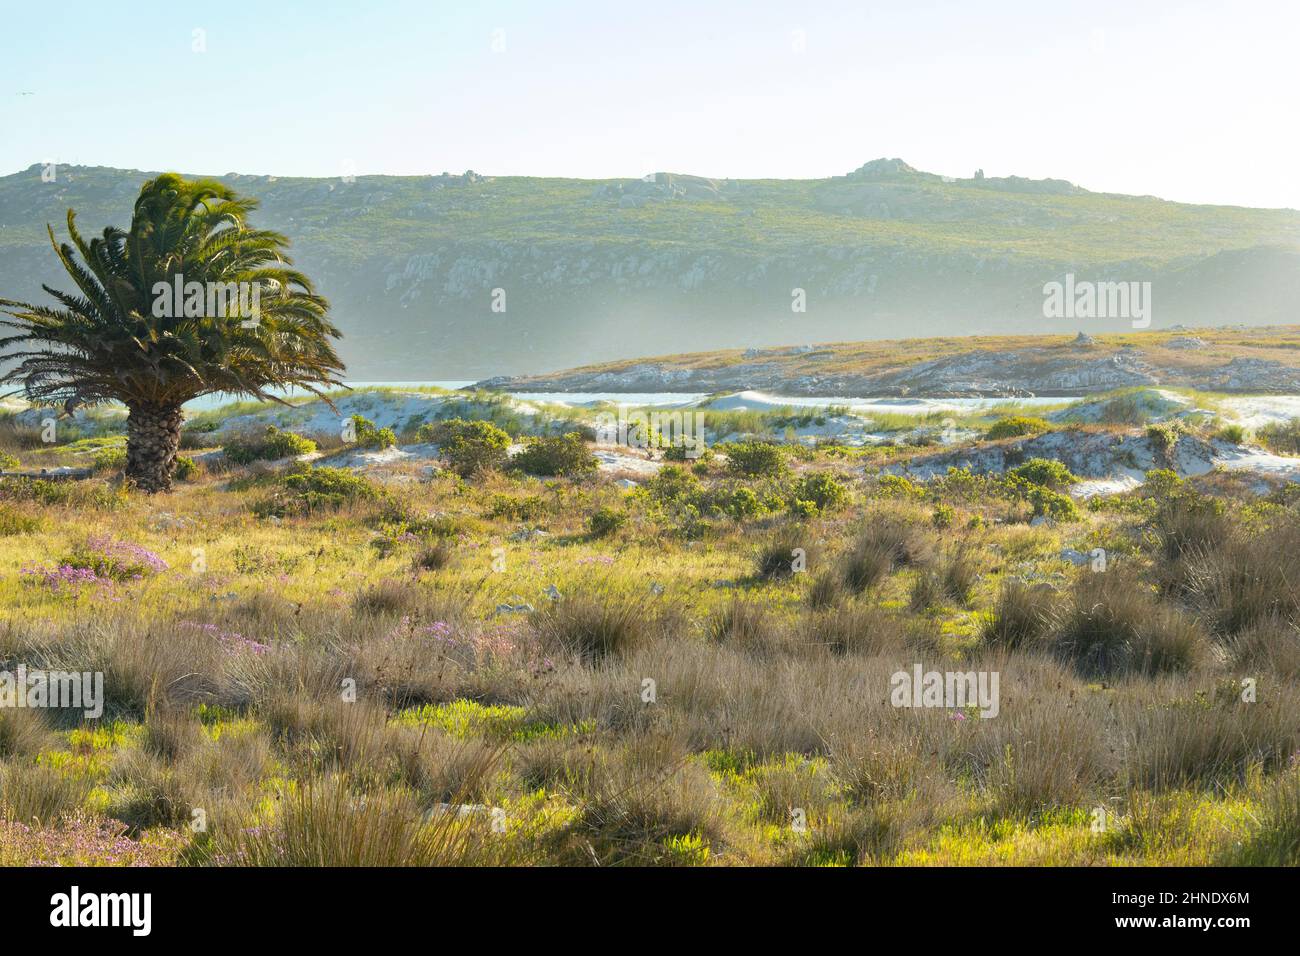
[113, 342]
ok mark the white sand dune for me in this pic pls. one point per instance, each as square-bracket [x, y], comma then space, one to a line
[1256, 410]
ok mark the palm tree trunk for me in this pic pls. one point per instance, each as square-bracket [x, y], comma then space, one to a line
[153, 435]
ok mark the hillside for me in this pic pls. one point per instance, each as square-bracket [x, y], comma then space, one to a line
[1235, 359]
[599, 270]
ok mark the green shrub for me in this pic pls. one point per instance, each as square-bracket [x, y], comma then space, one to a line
[198, 434]
[1164, 438]
[1052, 505]
[527, 508]
[606, 521]
[8, 462]
[272, 445]
[963, 484]
[309, 490]
[685, 452]
[897, 486]
[755, 459]
[738, 503]
[1190, 523]
[185, 468]
[1016, 427]
[559, 456]
[823, 490]
[468, 446]
[1161, 483]
[943, 516]
[109, 459]
[93, 494]
[368, 435]
[803, 509]
[1044, 472]
[672, 483]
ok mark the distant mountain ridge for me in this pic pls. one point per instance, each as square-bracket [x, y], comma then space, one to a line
[597, 270]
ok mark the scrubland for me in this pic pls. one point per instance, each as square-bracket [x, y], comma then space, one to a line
[311, 666]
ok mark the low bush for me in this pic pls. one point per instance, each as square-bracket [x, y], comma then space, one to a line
[527, 508]
[469, 446]
[109, 459]
[605, 521]
[559, 456]
[1016, 427]
[272, 445]
[1044, 472]
[822, 490]
[312, 489]
[756, 459]
[366, 434]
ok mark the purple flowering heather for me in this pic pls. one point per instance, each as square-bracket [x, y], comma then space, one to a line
[438, 631]
[231, 642]
[119, 560]
[65, 577]
[79, 841]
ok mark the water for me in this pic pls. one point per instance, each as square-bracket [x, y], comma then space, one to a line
[756, 401]
[208, 402]
[637, 399]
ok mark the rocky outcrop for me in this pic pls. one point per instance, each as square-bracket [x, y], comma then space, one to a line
[1100, 454]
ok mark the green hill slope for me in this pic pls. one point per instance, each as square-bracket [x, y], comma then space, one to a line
[598, 270]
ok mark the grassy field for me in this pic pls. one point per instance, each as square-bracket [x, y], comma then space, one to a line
[431, 669]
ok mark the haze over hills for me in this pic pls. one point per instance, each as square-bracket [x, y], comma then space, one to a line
[594, 271]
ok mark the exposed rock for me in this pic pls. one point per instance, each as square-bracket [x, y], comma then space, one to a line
[1087, 454]
[523, 608]
[881, 168]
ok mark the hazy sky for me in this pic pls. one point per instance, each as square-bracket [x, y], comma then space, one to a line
[1194, 101]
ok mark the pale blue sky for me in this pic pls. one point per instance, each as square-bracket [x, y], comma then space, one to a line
[1194, 101]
